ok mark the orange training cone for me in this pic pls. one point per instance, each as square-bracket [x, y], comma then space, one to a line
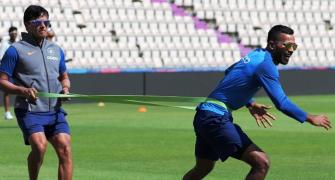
[142, 109]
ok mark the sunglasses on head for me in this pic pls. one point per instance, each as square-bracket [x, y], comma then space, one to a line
[289, 45]
[38, 22]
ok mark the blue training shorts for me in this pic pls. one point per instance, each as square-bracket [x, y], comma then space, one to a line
[217, 136]
[51, 123]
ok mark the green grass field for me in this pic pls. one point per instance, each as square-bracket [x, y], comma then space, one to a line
[116, 142]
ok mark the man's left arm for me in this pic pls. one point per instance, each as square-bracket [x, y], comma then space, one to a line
[268, 76]
[63, 75]
[283, 103]
[65, 82]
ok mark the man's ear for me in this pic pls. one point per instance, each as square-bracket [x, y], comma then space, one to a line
[271, 45]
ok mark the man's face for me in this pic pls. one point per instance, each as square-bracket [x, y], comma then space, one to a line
[283, 48]
[13, 35]
[38, 27]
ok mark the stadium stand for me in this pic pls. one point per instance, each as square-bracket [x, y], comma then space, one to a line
[180, 35]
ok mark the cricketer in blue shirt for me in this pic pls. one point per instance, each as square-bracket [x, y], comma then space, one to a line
[37, 65]
[217, 137]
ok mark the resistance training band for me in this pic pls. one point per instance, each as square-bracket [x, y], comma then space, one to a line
[131, 99]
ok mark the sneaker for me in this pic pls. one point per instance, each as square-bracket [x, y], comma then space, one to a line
[8, 116]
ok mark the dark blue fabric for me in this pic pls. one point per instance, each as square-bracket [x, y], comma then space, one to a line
[51, 123]
[217, 137]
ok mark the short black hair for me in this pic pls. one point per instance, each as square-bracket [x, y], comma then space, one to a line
[276, 30]
[12, 28]
[33, 12]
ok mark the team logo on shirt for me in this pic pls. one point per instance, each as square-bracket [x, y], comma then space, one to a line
[30, 53]
[246, 60]
[51, 54]
[50, 51]
[54, 58]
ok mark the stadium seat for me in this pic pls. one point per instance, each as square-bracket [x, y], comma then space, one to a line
[110, 29]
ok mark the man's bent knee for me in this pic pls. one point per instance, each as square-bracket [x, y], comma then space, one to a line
[40, 148]
[256, 158]
[38, 143]
[262, 164]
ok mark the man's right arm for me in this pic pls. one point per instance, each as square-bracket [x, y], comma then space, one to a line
[7, 67]
[10, 88]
